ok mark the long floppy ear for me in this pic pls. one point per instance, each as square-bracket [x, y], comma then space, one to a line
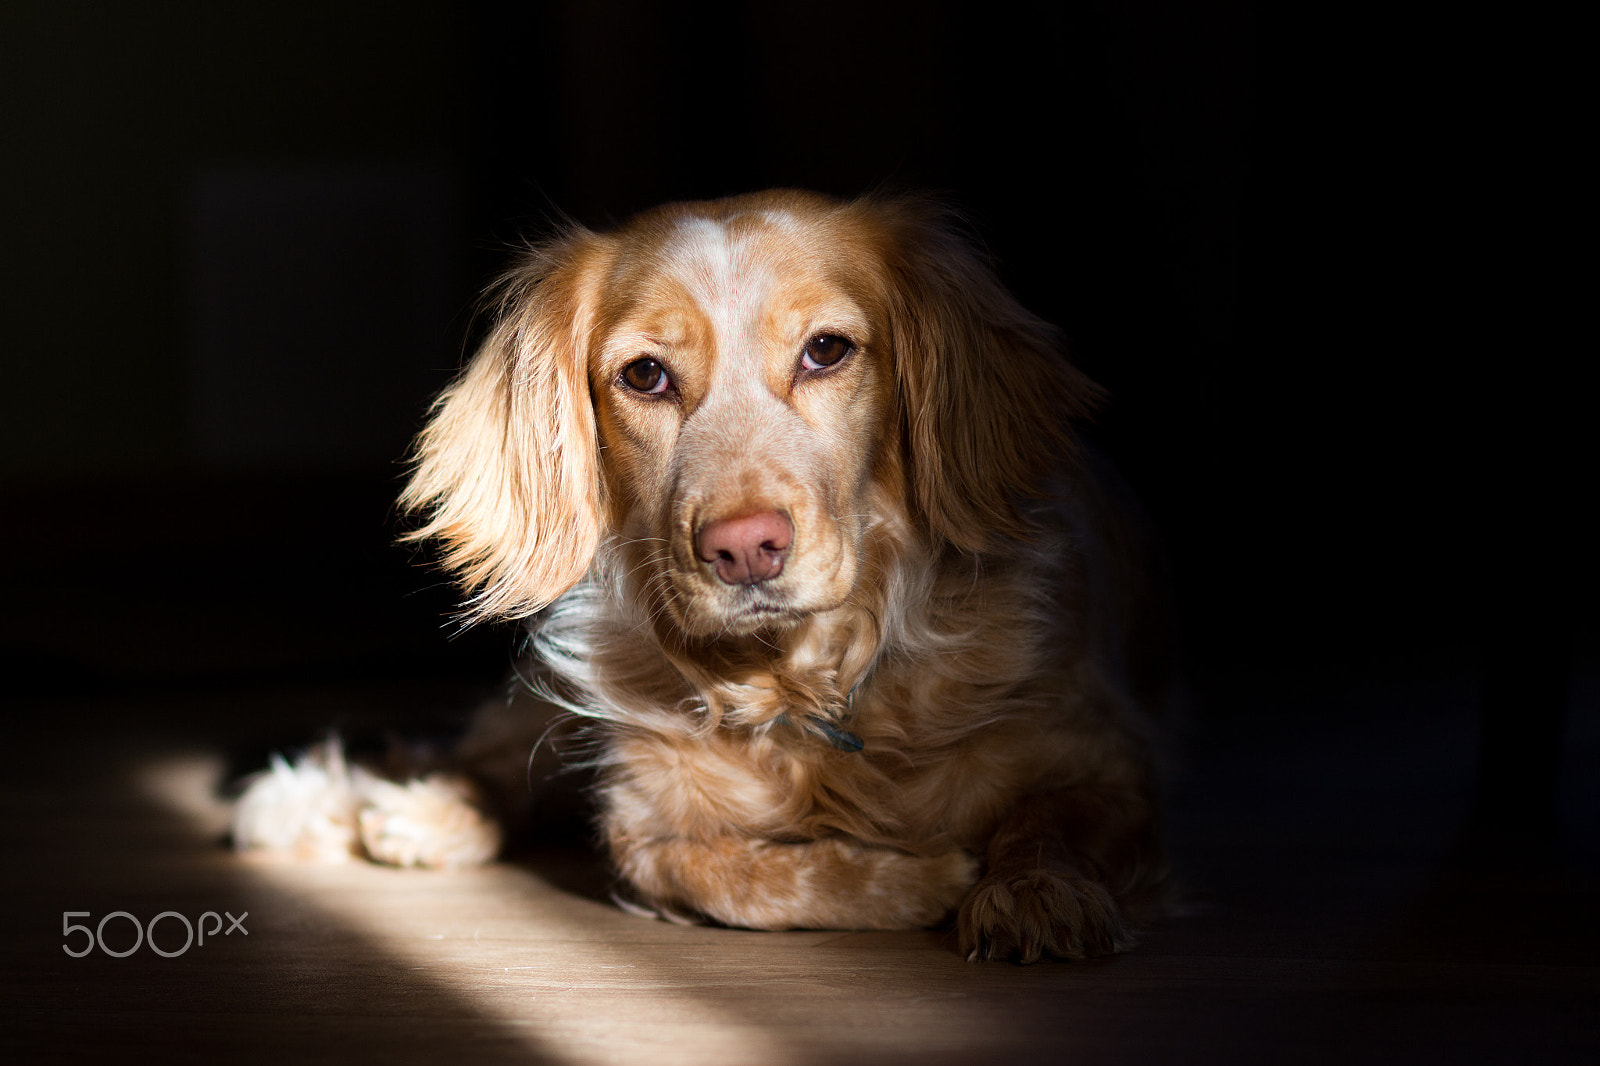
[986, 392]
[507, 469]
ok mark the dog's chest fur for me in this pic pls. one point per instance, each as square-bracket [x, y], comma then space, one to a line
[749, 740]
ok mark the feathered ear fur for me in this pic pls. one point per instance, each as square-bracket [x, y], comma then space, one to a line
[507, 469]
[987, 394]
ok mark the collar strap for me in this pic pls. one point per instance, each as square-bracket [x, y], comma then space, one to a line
[842, 739]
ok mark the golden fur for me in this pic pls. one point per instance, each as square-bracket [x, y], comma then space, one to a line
[956, 595]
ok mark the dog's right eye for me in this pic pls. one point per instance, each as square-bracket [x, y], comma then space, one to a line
[825, 350]
[646, 376]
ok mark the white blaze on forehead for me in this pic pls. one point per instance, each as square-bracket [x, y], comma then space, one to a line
[732, 283]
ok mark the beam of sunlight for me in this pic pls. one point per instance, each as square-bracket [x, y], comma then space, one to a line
[549, 966]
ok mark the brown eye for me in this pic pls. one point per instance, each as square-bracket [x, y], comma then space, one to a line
[646, 376]
[824, 350]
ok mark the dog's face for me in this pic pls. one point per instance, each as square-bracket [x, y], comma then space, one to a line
[741, 378]
[737, 390]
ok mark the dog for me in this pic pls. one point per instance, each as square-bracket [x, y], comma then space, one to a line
[788, 491]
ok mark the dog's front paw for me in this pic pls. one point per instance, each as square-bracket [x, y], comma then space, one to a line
[435, 821]
[1040, 913]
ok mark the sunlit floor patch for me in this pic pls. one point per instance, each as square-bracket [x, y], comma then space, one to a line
[557, 967]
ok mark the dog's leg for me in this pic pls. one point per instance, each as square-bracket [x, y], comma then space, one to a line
[833, 883]
[1057, 871]
[418, 807]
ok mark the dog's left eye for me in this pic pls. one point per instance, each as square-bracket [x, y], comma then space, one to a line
[646, 376]
[824, 350]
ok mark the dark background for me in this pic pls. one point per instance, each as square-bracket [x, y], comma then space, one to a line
[243, 244]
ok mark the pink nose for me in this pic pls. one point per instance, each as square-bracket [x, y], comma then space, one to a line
[746, 550]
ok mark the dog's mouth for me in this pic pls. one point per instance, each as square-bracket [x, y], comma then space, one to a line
[764, 616]
[740, 611]
[709, 609]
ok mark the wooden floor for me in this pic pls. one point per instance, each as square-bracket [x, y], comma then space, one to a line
[1323, 923]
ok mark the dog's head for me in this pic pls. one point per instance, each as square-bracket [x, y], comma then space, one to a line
[738, 390]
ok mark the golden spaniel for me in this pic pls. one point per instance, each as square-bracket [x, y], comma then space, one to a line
[786, 490]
